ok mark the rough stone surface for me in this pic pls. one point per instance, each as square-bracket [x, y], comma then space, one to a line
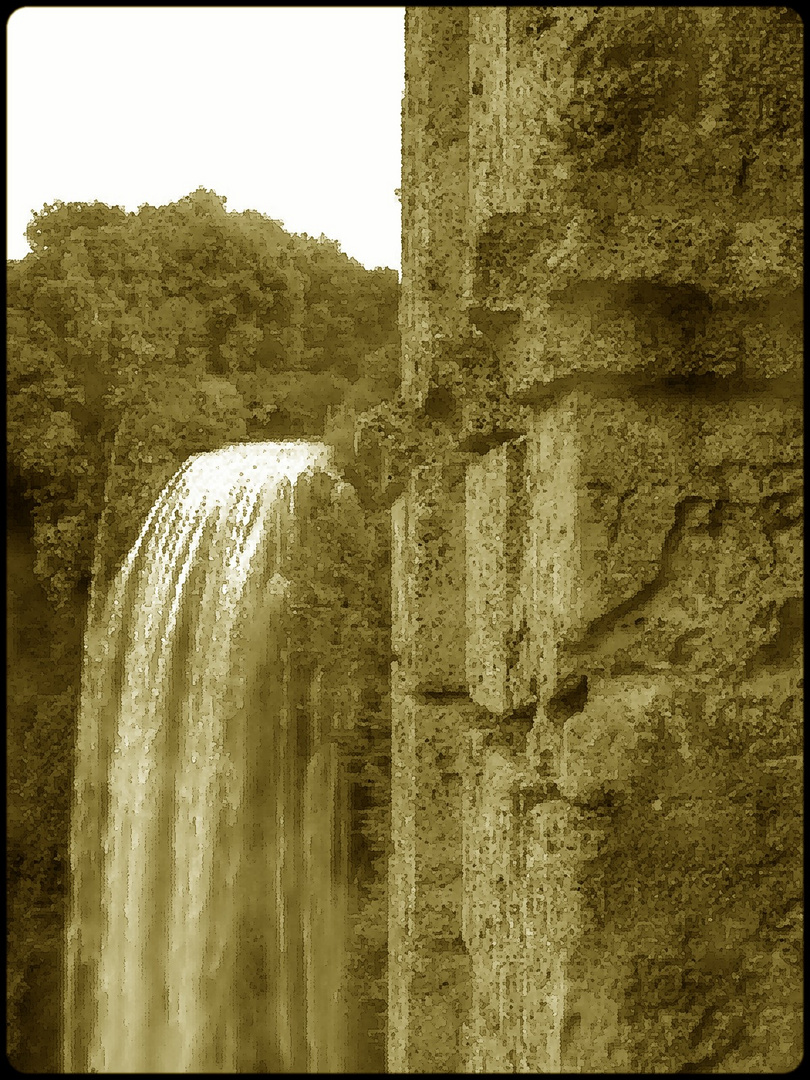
[602, 326]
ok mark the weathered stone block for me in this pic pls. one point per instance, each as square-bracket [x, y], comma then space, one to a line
[553, 560]
[605, 481]
[425, 877]
[498, 592]
[629, 294]
[428, 618]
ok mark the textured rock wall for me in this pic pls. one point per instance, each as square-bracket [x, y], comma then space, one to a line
[596, 561]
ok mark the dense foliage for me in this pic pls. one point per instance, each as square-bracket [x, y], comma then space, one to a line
[168, 331]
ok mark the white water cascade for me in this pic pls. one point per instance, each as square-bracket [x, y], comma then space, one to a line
[207, 901]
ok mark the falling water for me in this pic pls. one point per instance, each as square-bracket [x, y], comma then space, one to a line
[205, 932]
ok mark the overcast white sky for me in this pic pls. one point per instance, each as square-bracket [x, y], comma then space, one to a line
[294, 112]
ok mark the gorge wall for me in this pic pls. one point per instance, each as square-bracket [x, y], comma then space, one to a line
[596, 543]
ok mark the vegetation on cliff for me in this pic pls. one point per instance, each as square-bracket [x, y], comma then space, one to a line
[170, 331]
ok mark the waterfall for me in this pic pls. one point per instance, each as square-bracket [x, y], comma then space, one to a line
[207, 838]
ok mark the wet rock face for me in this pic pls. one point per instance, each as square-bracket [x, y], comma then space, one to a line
[606, 337]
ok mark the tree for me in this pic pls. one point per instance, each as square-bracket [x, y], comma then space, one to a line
[169, 331]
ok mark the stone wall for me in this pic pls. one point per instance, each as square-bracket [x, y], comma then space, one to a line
[596, 557]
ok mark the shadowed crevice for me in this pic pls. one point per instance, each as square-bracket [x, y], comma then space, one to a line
[569, 699]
